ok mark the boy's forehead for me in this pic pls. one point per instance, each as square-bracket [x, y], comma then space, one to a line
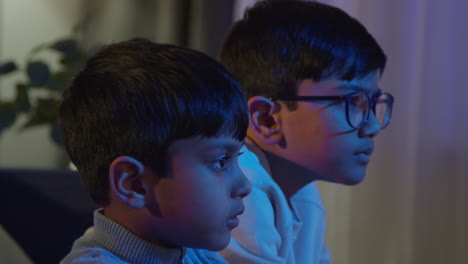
[199, 143]
[225, 142]
[331, 86]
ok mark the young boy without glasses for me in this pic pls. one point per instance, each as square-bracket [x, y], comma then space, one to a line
[155, 131]
[310, 73]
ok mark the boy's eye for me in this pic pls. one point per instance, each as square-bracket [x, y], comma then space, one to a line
[220, 163]
[358, 101]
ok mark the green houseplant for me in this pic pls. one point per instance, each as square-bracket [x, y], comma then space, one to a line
[38, 96]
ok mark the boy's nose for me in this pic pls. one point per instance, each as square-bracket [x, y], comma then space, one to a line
[371, 128]
[243, 186]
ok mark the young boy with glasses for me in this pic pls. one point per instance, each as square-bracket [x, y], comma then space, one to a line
[310, 73]
[155, 131]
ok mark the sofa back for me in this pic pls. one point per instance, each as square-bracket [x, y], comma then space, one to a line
[44, 210]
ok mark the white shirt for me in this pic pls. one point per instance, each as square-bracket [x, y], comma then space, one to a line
[270, 231]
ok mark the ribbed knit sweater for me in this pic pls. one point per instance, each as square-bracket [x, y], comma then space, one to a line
[112, 243]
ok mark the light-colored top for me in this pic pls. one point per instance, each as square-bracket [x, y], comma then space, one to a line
[112, 243]
[272, 231]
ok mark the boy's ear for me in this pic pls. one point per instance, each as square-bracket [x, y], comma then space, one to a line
[265, 122]
[125, 178]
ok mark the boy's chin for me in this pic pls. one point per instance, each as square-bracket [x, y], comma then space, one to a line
[351, 180]
[348, 179]
[218, 247]
[215, 244]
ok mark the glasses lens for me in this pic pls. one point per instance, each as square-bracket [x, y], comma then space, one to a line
[358, 109]
[383, 109]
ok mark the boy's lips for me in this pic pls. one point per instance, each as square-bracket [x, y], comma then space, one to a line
[367, 151]
[364, 154]
[233, 221]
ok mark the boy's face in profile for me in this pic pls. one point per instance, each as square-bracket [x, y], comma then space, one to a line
[200, 197]
[319, 137]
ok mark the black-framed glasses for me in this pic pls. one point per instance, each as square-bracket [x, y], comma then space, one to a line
[358, 106]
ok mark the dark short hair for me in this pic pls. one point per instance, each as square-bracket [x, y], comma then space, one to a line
[279, 43]
[137, 97]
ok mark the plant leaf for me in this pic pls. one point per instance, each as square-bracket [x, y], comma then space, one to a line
[45, 112]
[74, 61]
[55, 85]
[8, 67]
[22, 103]
[38, 73]
[7, 115]
[65, 46]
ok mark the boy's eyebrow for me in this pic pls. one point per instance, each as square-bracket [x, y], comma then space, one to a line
[357, 88]
[225, 144]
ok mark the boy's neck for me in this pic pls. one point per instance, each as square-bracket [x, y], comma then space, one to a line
[133, 221]
[289, 176]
